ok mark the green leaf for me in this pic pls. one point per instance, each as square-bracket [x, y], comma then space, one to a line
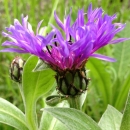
[41, 65]
[93, 104]
[122, 54]
[73, 119]
[101, 79]
[48, 122]
[111, 119]
[35, 84]
[125, 124]
[11, 115]
[51, 123]
[99, 90]
[116, 86]
[122, 95]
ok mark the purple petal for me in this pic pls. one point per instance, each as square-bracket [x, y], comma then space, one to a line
[67, 25]
[67, 21]
[63, 44]
[38, 26]
[9, 43]
[87, 50]
[81, 17]
[30, 28]
[50, 36]
[102, 57]
[13, 50]
[46, 40]
[72, 33]
[24, 21]
[16, 22]
[80, 43]
[5, 34]
[89, 10]
[118, 40]
[43, 41]
[114, 16]
[58, 21]
[120, 27]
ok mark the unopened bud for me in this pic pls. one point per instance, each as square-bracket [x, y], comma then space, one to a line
[54, 100]
[16, 69]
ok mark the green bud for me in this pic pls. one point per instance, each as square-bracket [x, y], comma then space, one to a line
[54, 100]
[16, 69]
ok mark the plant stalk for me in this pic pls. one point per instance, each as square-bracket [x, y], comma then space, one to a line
[75, 102]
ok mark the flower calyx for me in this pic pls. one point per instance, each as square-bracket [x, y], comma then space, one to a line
[72, 82]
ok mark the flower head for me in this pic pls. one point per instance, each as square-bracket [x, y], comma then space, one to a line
[81, 39]
[67, 52]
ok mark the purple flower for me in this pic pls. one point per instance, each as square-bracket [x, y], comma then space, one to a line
[70, 49]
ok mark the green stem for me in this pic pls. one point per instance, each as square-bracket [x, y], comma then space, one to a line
[74, 102]
[21, 91]
[15, 7]
[55, 4]
[6, 2]
[31, 117]
[30, 113]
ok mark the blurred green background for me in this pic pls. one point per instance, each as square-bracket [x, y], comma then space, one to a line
[110, 82]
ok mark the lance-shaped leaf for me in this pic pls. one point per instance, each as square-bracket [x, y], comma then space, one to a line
[11, 115]
[121, 54]
[73, 119]
[102, 79]
[48, 122]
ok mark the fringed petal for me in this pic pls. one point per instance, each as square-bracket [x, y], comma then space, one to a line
[102, 57]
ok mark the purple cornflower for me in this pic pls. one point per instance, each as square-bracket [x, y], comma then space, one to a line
[81, 40]
[67, 52]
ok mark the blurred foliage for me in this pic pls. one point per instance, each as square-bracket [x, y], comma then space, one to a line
[110, 82]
